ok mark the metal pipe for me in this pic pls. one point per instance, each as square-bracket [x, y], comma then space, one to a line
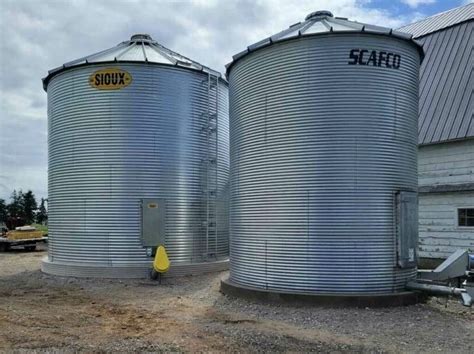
[435, 289]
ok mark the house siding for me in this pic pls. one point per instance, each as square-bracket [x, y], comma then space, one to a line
[445, 164]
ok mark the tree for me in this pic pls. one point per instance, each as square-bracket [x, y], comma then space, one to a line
[42, 214]
[29, 206]
[22, 209]
[15, 207]
[3, 211]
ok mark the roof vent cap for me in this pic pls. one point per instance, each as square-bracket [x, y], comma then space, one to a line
[140, 37]
[319, 14]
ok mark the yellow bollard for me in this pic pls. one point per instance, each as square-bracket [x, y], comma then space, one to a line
[161, 264]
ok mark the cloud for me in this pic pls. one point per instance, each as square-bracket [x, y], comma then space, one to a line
[36, 36]
[415, 3]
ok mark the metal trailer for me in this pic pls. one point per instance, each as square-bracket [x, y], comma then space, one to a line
[138, 157]
[28, 244]
[323, 122]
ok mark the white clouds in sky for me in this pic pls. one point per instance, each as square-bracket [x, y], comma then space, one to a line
[36, 36]
[415, 3]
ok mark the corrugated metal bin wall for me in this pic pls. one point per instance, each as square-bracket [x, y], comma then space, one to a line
[319, 148]
[110, 149]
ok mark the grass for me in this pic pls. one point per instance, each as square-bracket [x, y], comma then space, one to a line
[40, 227]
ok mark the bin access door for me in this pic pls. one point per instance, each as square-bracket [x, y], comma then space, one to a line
[153, 222]
[407, 229]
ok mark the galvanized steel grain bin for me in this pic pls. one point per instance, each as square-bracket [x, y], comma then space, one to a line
[323, 122]
[138, 156]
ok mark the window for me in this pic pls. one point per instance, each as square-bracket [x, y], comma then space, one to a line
[466, 217]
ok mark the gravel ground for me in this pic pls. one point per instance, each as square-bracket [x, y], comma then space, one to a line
[45, 313]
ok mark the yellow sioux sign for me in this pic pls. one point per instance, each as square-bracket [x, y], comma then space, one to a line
[110, 79]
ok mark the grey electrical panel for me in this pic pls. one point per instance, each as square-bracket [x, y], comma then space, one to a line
[407, 228]
[153, 222]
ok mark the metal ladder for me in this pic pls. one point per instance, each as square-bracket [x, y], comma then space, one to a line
[210, 167]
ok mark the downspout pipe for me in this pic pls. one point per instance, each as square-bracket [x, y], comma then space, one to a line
[466, 297]
[435, 289]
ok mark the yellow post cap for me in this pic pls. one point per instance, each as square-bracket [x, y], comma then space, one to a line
[161, 264]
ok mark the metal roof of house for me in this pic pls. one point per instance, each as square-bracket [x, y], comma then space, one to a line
[322, 22]
[446, 78]
[440, 21]
[140, 48]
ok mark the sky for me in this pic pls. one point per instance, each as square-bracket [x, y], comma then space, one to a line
[39, 35]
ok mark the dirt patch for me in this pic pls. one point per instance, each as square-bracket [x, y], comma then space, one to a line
[42, 312]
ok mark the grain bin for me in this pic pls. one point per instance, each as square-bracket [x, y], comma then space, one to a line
[138, 156]
[323, 122]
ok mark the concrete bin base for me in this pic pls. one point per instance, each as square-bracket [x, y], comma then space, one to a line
[329, 300]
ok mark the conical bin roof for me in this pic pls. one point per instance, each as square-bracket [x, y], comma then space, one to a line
[140, 48]
[323, 22]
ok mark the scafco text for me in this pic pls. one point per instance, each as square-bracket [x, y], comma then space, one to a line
[374, 58]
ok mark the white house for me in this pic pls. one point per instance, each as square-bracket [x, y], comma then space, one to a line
[446, 133]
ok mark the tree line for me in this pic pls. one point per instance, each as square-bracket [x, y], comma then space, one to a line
[23, 209]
